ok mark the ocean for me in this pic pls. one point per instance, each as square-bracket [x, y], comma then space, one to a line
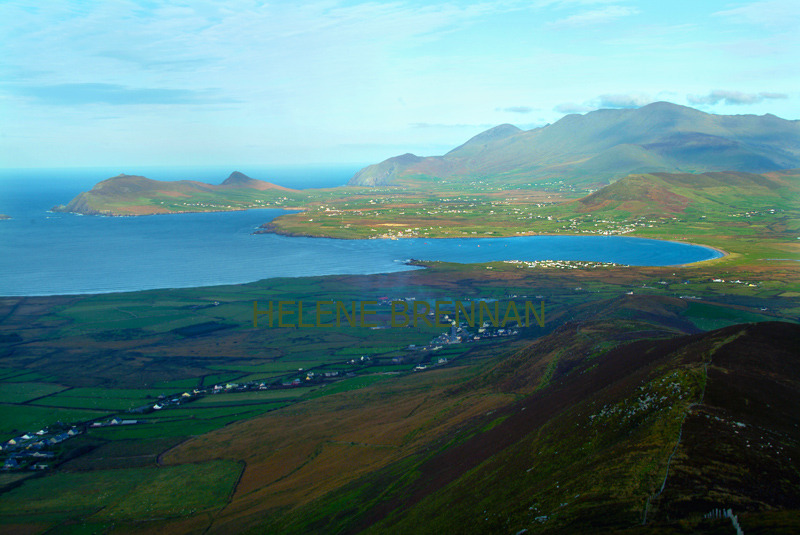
[44, 253]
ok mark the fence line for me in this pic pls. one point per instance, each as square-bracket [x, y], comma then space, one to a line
[726, 513]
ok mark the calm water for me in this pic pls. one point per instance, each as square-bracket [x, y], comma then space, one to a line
[43, 253]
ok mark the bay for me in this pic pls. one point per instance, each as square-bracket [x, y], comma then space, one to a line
[43, 253]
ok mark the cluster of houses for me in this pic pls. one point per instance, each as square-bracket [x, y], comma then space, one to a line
[737, 281]
[114, 421]
[562, 264]
[459, 334]
[607, 228]
[441, 361]
[166, 401]
[29, 451]
[770, 211]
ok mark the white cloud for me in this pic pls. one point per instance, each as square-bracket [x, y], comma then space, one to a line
[620, 100]
[80, 94]
[632, 100]
[596, 17]
[517, 109]
[783, 14]
[732, 97]
[442, 125]
[571, 107]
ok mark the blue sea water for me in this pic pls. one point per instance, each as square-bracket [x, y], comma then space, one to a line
[43, 253]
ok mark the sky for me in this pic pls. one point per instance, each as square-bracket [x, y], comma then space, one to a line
[117, 82]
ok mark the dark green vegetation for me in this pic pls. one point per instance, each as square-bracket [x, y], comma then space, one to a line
[125, 494]
[602, 146]
[564, 428]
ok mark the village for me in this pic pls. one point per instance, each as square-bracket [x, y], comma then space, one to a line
[562, 264]
[43, 449]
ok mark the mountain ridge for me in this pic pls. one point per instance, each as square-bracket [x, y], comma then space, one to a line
[585, 149]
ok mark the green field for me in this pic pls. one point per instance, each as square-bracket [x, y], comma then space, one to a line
[178, 384]
[250, 397]
[354, 383]
[189, 420]
[23, 392]
[274, 368]
[19, 419]
[123, 494]
[107, 402]
[708, 317]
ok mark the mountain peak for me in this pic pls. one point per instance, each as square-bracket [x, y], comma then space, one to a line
[480, 141]
[237, 178]
[663, 104]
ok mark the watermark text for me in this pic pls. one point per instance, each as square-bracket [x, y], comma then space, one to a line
[400, 313]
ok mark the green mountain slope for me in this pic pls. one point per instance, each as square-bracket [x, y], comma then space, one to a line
[604, 145]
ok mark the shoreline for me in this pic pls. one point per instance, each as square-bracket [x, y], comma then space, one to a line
[268, 228]
[100, 214]
[410, 263]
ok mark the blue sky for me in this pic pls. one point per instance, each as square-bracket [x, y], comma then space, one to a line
[243, 82]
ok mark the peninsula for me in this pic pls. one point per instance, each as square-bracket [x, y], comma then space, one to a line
[137, 195]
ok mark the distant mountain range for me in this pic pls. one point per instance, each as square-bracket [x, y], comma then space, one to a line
[138, 195]
[602, 146]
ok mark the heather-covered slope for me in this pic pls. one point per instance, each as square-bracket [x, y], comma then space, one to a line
[591, 448]
[591, 451]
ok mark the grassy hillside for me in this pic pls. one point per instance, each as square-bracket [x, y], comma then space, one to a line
[709, 194]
